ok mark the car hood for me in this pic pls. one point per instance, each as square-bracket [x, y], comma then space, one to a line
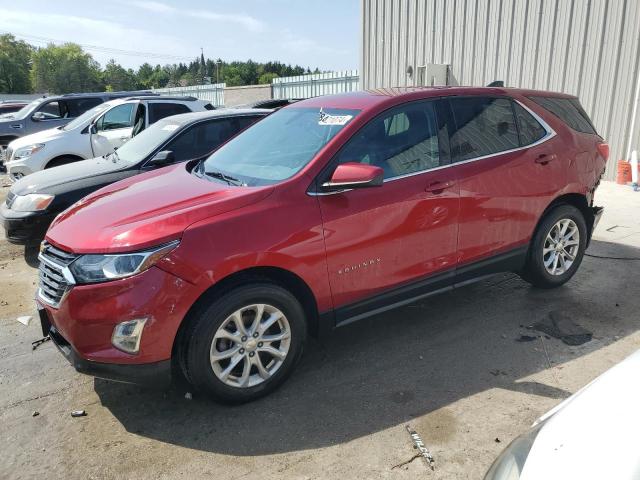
[38, 137]
[44, 180]
[595, 433]
[145, 210]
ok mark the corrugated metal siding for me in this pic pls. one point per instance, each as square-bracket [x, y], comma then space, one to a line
[589, 48]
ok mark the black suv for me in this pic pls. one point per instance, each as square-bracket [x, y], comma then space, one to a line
[33, 202]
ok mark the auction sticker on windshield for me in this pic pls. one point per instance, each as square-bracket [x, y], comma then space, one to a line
[327, 119]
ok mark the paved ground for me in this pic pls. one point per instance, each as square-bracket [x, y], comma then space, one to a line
[450, 367]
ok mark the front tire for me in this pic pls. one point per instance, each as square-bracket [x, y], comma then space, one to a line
[557, 248]
[245, 344]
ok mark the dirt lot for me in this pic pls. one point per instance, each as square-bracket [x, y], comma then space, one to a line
[450, 367]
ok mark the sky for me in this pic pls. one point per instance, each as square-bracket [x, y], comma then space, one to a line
[323, 34]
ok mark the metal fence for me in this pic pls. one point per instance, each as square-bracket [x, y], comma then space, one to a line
[213, 93]
[315, 84]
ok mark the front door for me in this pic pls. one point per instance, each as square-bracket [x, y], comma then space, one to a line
[113, 128]
[386, 240]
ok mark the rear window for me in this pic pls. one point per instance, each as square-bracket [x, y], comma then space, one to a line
[158, 111]
[483, 126]
[569, 111]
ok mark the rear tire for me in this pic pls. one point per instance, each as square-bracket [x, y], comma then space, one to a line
[231, 353]
[56, 162]
[557, 248]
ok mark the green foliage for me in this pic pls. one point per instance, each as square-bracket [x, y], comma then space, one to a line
[15, 63]
[64, 69]
[116, 78]
[67, 68]
[266, 78]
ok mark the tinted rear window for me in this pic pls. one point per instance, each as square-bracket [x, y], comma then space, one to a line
[158, 111]
[569, 111]
[483, 126]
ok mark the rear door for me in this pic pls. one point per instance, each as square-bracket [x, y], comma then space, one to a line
[382, 242]
[507, 174]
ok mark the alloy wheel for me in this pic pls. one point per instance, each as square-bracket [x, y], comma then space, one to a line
[561, 247]
[250, 345]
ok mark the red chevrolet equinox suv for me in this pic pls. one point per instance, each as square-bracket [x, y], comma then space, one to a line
[327, 211]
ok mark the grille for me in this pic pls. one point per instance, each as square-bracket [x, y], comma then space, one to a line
[54, 284]
[10, 198]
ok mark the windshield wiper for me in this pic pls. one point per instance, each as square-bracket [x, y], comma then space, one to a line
[227, 178]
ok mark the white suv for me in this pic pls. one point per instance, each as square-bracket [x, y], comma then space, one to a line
[97, 132]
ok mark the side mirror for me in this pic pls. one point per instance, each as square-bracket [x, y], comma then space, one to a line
[355, 175]
[165, 157]
[93, 128]
[38, 116]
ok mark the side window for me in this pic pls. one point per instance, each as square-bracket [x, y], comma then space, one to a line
[243, 122]
[158, 111]
[117, 117]
[530, 129]
[401, 141]
[201, 139]
[78, 106]
[568, 110]
[54, 110]
[483, 126]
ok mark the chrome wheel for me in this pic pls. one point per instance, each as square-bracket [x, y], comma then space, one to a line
[250, 345]
[561, 246]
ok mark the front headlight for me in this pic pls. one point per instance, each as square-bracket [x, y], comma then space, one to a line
[510, 463]
[102, 268]
[26, 152]
[33, 202]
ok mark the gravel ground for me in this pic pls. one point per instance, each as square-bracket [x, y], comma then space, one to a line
[449, 367]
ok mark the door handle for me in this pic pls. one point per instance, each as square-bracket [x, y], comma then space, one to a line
[438, 186]
[545, 158]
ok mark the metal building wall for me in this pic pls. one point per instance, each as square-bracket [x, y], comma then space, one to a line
[590, 48]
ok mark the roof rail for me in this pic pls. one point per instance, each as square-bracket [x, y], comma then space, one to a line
[123, 93]
[165, 97]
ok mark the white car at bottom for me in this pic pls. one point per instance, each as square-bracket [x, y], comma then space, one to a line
[594, 434]
[95, 133]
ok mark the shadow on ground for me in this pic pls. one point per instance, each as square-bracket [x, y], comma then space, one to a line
[386, 370]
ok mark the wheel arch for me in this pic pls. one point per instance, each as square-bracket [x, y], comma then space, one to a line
[276, 275]
[5, 140]
[577, 200]
[75, 158]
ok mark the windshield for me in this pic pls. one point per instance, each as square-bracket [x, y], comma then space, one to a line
[277, 147]
[86, 117]
[143, 144]
[24, 111]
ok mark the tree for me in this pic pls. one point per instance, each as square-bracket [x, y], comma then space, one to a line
[15, 62]
[144, 75]
[116, 78]
[267, 77]
[64, 69]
